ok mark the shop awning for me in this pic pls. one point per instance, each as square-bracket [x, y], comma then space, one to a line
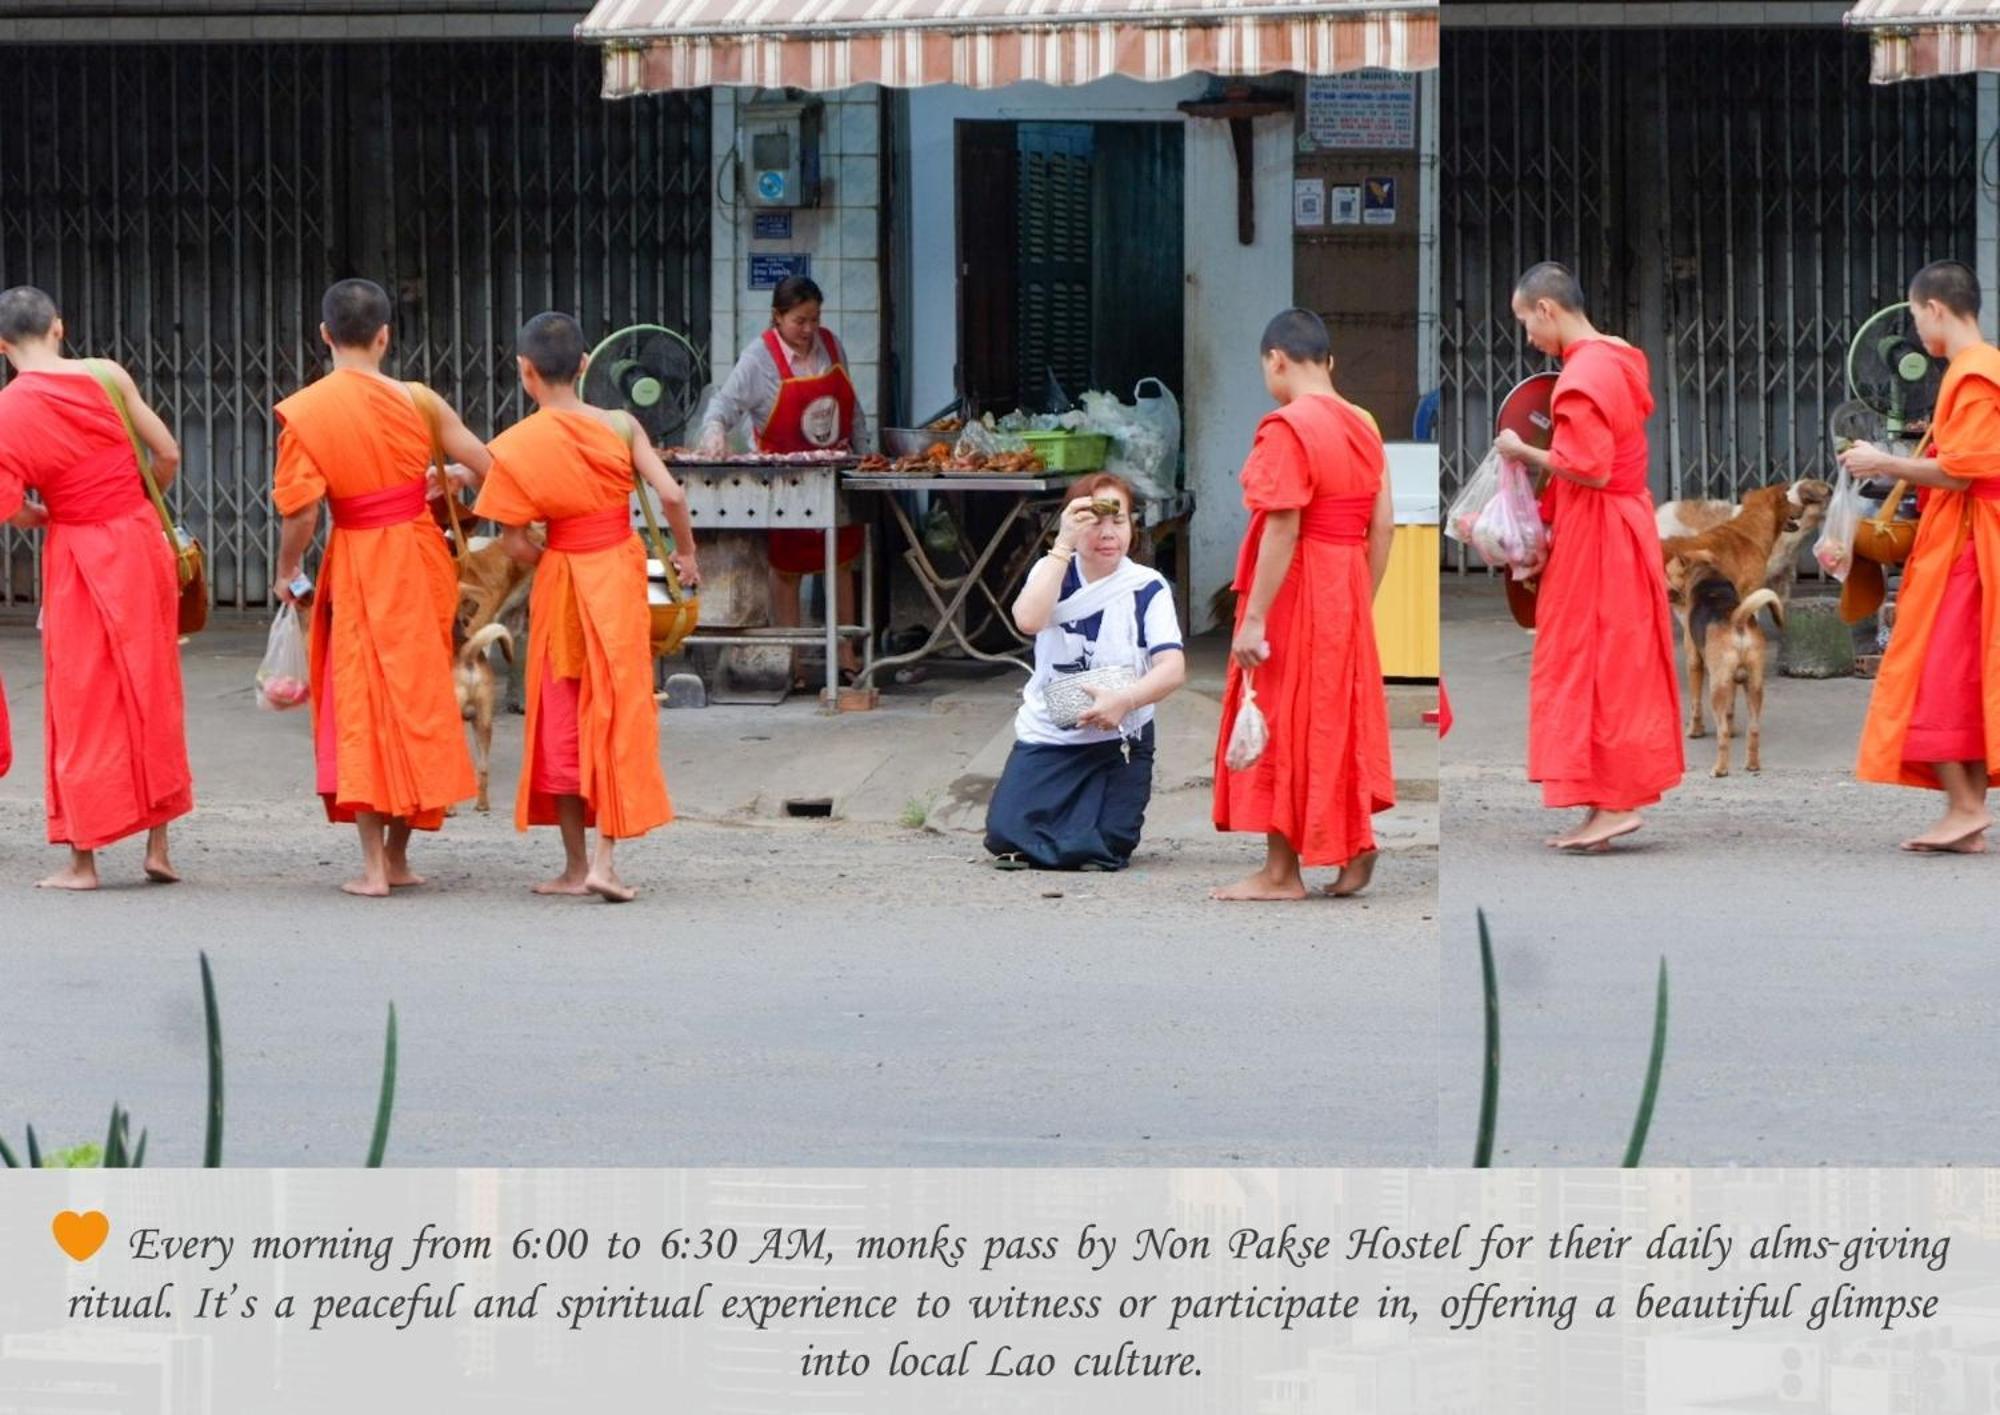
[656, 45]
[1927, 39]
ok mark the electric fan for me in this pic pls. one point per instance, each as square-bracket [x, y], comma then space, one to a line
[1889, 372]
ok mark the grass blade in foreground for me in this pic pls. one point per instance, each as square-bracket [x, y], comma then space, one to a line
[388, 1101]
[1489, 1091]
[212, 1148]
[1644, 1122]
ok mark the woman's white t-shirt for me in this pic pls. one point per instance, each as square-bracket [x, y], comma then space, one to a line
[1071, 647]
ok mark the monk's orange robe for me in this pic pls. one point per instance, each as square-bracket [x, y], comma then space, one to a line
[1326, 771]
[593, 727]
[1937, 693]
[1603, 695]
[387, 733]
[116, 748]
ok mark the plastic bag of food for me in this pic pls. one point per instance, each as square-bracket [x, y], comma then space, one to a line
[1250, 735]
[1835, 547]
[1509, 531]
[1162, 411]
[1479, 488]
[282, 680]
[979, 440]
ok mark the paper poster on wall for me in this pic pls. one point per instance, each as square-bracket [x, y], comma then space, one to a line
[1378, 201]
[1309, 201]
[1344, 206]
[1370, 109]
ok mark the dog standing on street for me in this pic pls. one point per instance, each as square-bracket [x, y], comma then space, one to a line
[1725, 650]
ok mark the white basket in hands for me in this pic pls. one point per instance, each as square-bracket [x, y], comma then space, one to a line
[1067, 698]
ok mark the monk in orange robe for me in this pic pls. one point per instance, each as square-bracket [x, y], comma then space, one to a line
[115, 746]
[1934, 716]
[1603, 691]
[389, 744]
[1321, 520]
[592, 747]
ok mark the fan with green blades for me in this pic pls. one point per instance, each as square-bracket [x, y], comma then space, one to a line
[650, 372]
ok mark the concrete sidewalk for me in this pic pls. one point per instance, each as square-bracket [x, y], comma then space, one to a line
[927, 757]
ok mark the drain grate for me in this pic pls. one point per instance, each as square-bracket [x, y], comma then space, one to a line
[809, 807]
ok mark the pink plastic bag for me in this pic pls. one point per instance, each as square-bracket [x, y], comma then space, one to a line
[281, 678]
[1509, 530]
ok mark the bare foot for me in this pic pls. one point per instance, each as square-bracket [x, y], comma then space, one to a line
[564, 884]
[1354, 875]
[1567, 838]
[1260, 886]
[72, 878]
[365, 888]
[401, 876]
[159, 869]
[1597, 837]
[1957, 829]
[610, 888]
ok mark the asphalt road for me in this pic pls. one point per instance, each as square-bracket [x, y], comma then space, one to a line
[785, 993]
[1834, 1001]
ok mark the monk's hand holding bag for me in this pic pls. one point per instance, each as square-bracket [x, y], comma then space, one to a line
[281, 678]
[190, 561]
[1250, 735]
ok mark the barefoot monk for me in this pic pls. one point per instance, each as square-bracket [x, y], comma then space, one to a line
[591, 751]
[1321, 519]
[389, 746]
[116, 749]
[1934, 715]
[1603, 695]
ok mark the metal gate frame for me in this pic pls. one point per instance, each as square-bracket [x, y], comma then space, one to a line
[1734, 202]
[186, 206]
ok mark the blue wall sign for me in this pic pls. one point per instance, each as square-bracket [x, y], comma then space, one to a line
[768, 270]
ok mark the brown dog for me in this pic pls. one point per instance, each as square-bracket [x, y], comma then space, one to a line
[1725, 649]
[490, 585]
[472, 679]
[1756, 545]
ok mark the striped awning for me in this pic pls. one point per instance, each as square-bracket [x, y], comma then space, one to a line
[655, 45]
[1927, 39]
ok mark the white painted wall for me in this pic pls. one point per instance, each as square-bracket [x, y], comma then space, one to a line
[842, 234]
[1232, 290]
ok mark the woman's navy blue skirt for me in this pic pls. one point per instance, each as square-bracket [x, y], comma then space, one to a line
[1061, 808]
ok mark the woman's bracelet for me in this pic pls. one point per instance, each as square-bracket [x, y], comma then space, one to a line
[1061, 554]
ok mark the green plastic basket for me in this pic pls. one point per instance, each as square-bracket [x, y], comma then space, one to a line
[1069, 451]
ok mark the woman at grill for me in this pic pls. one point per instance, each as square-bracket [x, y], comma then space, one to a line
[1074, 791]
[792, 389]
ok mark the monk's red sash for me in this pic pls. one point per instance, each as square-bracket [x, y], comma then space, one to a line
[594, 530]
[1337, 520]
[372, 510]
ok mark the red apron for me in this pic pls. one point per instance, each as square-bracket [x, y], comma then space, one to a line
[811, 415]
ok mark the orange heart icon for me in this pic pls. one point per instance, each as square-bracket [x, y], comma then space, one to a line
[81, 1235]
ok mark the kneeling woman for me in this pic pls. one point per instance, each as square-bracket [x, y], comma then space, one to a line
[1074, 797]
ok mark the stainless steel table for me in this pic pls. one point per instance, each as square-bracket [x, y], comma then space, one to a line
[744, 496]
[1032, 495]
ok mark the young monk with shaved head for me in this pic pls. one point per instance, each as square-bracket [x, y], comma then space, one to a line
[1321, 519]
[115, 746]
[592, 746]
[1603, 696]
[1934, 716]
[389, 747]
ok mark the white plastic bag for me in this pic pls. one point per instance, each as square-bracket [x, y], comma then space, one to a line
[1481, 487]
[1140, 450]
[282, 680]
[1161, 411]
[1509, 531]
[1250, 735]
[1835, 547]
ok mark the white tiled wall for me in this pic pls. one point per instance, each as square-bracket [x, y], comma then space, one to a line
[842, 234]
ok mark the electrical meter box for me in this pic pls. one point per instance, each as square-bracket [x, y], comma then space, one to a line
[780, 153]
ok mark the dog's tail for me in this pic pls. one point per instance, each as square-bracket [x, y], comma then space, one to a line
[484, 638]
[1758, 599]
